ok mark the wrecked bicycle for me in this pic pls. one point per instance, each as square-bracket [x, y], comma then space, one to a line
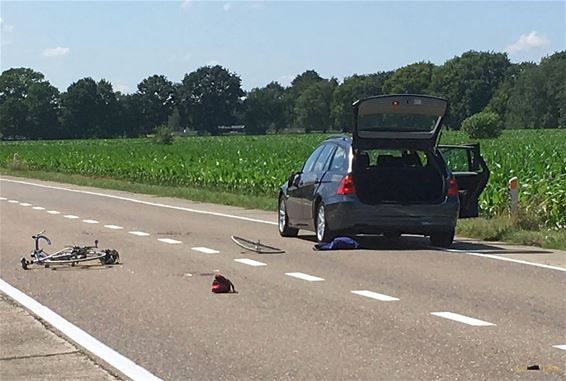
[69, 255]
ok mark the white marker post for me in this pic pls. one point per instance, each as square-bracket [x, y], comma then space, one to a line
[513, 188]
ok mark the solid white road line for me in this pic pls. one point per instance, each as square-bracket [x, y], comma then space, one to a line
[563, 347]
[139, 234]
[13, 201]
[144, 202]
[307, 277]
[3, 198]
[53, 212]
[462, 319]
[374, 295]
[205, 250]
[38, 208]
[25, 204]
[113, 227]
[80, 337]
[502, 258]
[250, 262]
[169, 241]
[70, 216]
[90, 221]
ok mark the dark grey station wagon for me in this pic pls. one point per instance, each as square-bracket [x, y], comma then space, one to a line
[390, 177]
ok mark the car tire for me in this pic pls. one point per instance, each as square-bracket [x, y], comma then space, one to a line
[442, 239]
[322, 230]
[283, 221]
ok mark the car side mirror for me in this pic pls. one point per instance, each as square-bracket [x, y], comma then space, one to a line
[293, 180]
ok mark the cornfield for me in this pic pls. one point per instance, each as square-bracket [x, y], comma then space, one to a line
[259, 164]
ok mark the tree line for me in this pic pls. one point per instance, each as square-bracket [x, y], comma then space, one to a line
[521, 95]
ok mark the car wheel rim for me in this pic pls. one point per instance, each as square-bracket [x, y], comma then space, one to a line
[282, 215]
[320, 223]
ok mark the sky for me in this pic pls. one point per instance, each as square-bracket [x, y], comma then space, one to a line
[261, 41]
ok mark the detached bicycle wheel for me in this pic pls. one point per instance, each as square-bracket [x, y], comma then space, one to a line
[257, 246]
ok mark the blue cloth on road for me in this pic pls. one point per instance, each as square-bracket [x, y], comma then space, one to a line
[338, 243]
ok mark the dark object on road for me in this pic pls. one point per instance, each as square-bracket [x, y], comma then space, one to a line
[338, 243]
[222, 285]
[257, 246]
[70, 255]
[533, 367]
[390, 177]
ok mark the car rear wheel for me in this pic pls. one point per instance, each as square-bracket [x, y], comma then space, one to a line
[283, 221]
[442, 239]
[323, 231]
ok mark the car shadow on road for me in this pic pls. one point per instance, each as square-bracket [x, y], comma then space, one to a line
[409, 242]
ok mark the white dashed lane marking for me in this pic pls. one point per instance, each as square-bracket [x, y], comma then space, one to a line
[169, 241]
[71, 216]
[205, 250]
[3, 198]
[113, 227]
[53, 212]
[13, 201]
[90, 221]
[139, 234]
[307, 277]
[250, 262]
[375, 295]
[38, 208]
[25, 204]
[563, 347]
[462, 319]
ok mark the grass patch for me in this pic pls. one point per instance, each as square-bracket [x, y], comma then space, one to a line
[507, 229]
[193, 194]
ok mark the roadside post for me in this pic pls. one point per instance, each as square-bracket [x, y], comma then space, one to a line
[513, 189]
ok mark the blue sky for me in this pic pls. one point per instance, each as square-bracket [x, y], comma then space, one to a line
[263, 41]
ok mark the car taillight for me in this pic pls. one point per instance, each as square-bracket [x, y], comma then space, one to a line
[346, 185]
[452, 186]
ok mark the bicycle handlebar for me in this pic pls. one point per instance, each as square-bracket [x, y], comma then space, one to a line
[38, 237]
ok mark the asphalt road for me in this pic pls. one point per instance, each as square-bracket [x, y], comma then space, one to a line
[156, 307]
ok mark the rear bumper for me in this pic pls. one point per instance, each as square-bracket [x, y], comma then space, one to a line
[355, 217]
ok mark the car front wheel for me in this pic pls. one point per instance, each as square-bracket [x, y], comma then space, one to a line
[283, 221]
[323, 231]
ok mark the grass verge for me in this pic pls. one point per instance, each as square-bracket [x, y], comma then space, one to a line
[502, 228]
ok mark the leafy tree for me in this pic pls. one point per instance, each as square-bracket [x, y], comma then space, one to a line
[468, 82]
[354, 88]
[210, 97]
[28, 105]
[538, 99]
[483, 125]
[130, 116]
[157, 100]
[312, 109]
[499, 101]
[411, 79]
[163, 135]
[174, 120]
[90, 110]
[266, 108]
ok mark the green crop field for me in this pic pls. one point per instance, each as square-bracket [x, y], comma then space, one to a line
[259, 164]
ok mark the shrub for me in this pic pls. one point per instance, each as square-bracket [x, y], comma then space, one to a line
[163, 135]
[483, 125]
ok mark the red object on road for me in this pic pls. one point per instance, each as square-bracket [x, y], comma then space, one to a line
[222, 285]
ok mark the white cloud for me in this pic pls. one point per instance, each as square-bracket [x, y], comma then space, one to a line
[227, 7]
[528, 42]
[186, 4]
[56, 52]
[5, 28]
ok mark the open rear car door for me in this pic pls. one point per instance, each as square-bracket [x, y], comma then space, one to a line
[471, 173]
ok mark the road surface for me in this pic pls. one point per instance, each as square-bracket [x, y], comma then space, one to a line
[393, 310]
